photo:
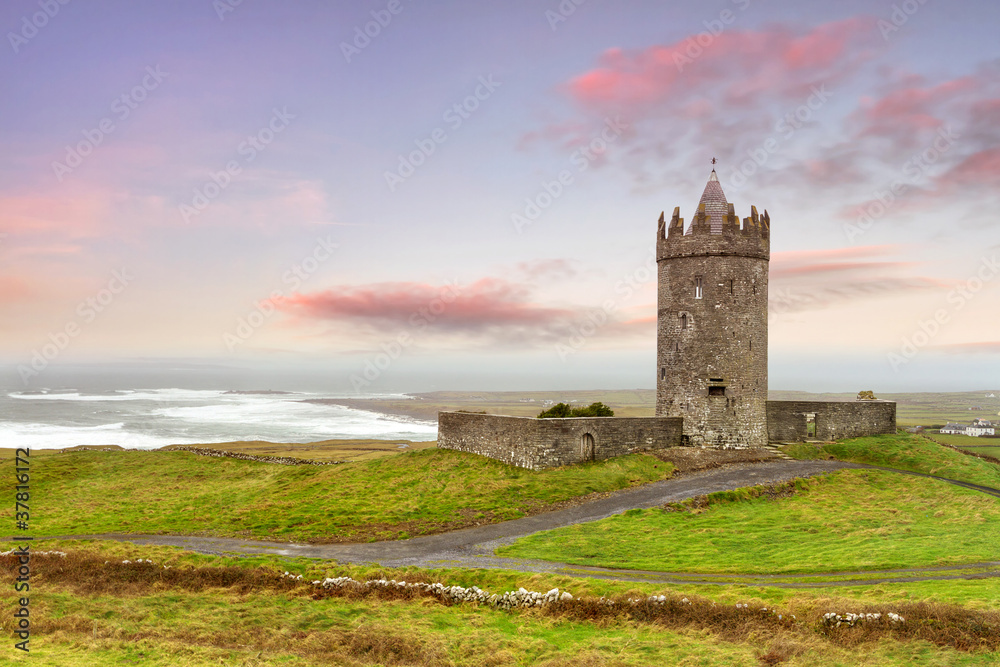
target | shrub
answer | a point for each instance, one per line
(562, 410)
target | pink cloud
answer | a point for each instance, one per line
(728, 95)
(797, 256)
(816, 279)
(981, 168)
(485, 303)
(787, 296)
(738, 90)
(490, 313)
(803, 263)
(737, 65)
(832, 267)
(911, 108)
(933, 135)
(822, 47)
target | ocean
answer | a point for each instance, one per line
(150, 418)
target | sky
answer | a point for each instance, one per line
(428, 195)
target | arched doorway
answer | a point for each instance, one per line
(587, 447)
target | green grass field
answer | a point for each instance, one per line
(83, 616)
(88, 610)
(388, 498)
(985, 446)
(986, 451)
(906, 452)
(848, 520)
(960, 440)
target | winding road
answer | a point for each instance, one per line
(474, 547)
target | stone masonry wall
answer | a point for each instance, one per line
(533, 443)
(786, 420)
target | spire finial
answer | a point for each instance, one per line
(713, 164)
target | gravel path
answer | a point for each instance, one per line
(474, 547)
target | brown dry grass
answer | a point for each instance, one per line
(373, 644)
(941, 624)
(783, 635)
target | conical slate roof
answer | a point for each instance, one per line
(716, 206)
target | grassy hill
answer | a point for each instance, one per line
(906, 452)
(394, 497)
(848, 520)
(91, 608)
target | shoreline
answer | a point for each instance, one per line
(391, 407)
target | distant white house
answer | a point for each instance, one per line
(980, 427)
(977, 428)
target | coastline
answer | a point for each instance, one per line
(410, 409)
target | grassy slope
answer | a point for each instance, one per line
(907, 452)
(962, 440)
(164, 628)
(206, 628)
(850, 520)
(985, 446)
(163, 625)
(393, 497)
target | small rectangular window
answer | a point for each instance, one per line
(716, 391)
(698, 293)
(730, 286)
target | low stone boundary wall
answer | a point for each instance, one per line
(787, 420)
(533, 443)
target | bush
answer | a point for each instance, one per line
(562, 410)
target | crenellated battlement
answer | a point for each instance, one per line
(711, 344)
(717, 234)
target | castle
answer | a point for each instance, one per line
(711, 354)
(712, 308)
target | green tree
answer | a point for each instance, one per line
(561, 410)
(597, 409)
(556, 411)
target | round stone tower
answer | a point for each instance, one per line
(711, 339)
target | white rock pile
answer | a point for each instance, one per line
(509, 600)
(835, 620)
(13, 552)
